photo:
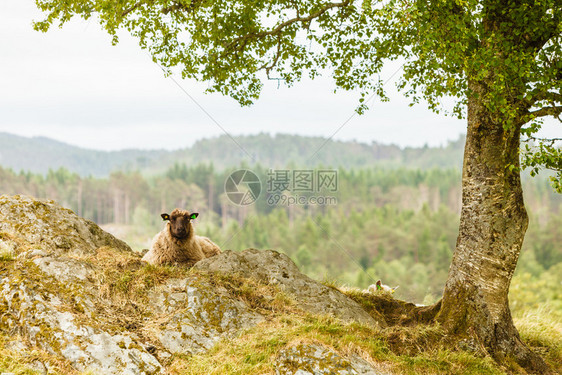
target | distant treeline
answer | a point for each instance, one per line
(201, 187)
(114, 199)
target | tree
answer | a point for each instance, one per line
(501, 60)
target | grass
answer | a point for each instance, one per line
(123, 277)
(22, 362)
(446, 362)
(399, 350)
(6, 255)
(254, 352)
(264, 298)
(541, 329)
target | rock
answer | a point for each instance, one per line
(201, 316)
(309, 359)
(53, 228)
(66, 269)
(52, 295)
(65, 289)
(272, 267)
(30, 308)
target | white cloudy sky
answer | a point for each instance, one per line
(72, 85)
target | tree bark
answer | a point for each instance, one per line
(493, 222)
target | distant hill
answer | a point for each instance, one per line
(39, 154)
(283, 149)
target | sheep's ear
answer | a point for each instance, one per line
(165, 217)
(193, 215)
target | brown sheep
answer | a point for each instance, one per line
(177, 243)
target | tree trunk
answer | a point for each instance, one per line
(493, 222)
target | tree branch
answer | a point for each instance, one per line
(178, 6)
(242, 40)
(274, 62)
(554, 111)
(551, 97)
(129, 10)
(547, 140)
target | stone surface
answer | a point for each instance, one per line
(31, 309)
(310, 359)
(272, 267)
(65, 269)
(50, 296)
(199, 315)
(51, 227)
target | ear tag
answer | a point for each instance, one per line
(165, 217)
(193, 216)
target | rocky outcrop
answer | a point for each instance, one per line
(272, 267)
(82, 298)
(200, 316)
(50, 228)
(46, 320)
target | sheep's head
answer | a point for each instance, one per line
(180, 222)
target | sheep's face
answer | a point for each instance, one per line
(180, 223)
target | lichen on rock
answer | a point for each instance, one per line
(58, 293)
(200, 316)
(55, 229)
(49, 320)
(313, 359)
(272, 267)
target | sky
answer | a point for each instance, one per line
(72, 85)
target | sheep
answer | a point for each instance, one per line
(379, 286)
(177, 242)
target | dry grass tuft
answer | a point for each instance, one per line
(541, 329)
(18, 359)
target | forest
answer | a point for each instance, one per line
(395, 224)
